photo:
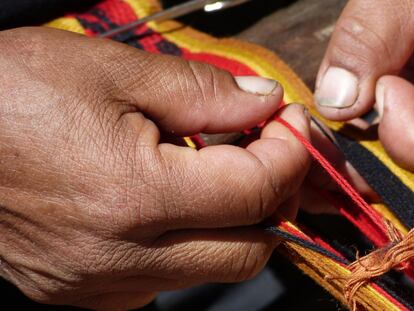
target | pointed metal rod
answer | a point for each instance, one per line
(174, 12)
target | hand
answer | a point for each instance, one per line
(94, 211)
(372, 42)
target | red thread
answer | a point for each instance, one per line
(357, 217)
(340, 180)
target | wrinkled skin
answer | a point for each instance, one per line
(94, 210)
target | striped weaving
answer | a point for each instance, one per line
(309, 248)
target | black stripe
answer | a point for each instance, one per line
(307, 244)
(394, 193)
(105, 23)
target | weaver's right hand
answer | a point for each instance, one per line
(372, 43)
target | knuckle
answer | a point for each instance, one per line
(261, 194)
(205, 77)
(262, 202)
(272, 192)
(269, 196)
(202, 82)
(279, 186)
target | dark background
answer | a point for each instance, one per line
(14, 13)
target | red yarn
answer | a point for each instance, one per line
(376, 221)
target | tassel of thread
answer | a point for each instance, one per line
(377, 263)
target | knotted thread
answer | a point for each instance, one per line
(377, 263)
(394, 256)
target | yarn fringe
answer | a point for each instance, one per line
(396, 256)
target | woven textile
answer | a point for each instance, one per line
(313, 251)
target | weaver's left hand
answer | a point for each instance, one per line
(95, 210)
(372, 42)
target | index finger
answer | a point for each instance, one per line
(226, 186)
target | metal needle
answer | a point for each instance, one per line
(174, 12)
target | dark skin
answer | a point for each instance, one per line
(99, 209)
(95, 211)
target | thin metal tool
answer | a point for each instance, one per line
(176, 11)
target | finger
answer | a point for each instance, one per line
(212, 255)
(395, 98)
(116, 301)
(226, 186)
(180, 96)
(371, 38)
(186, 98)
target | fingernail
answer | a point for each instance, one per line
(338, 89)
(256, 85)
(380, 98)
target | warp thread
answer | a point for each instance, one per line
(396, 255)
(336, 176)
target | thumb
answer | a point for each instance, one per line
(372, 38)
(395, 98)
(189, 97)
(180, 96)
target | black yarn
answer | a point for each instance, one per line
(307, 244)
(394, 193)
